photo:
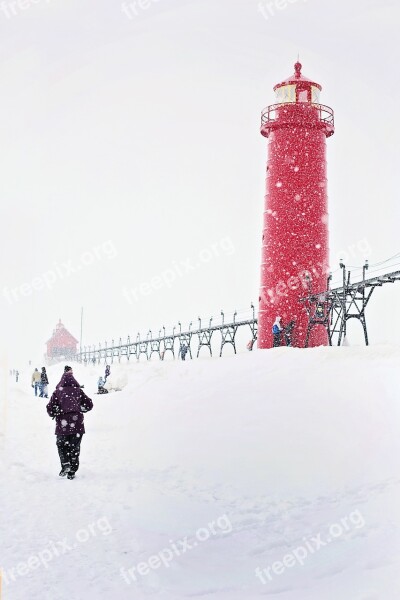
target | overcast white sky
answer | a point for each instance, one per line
(138, 135)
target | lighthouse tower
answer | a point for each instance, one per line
(295, 243)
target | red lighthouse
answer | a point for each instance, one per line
(62, 344)
(295, 233)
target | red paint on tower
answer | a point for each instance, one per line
(62, 343)
(295, 251)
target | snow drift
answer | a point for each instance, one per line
(204, 478)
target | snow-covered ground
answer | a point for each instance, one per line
(269, 475)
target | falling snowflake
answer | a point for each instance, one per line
(279, 184)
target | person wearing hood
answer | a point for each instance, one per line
(44, 382)
(69, 370)
(277, 332)
(66, 406)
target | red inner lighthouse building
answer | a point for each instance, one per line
(295, 249)
(62, 344)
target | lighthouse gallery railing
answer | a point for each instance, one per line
(326, 114)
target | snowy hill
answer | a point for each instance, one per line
(273, 474)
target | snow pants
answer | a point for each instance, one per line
(44, 390)
(69, 447)
(288, 340)
(277, 340)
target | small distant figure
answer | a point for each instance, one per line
(288, 331)
(184, 351)
(16, 376)
(94, 360)
(250, 345)
(36, 381)
(277, 329)
(44, 382)
(100, 386)
(107, 374)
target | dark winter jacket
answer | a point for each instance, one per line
(69, 381)
(43, 378)
(67, 404)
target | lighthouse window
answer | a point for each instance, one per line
(286, 93)
(303, 96)
(314, 94)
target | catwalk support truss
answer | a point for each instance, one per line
(335, 307)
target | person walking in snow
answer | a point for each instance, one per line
(107, 374)
(250, 345)
(44, 382)
(67, 405)
(288, 331)
(184, 350)
(36, 381)
(277, 332)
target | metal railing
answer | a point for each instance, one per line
(326, 114)
(173, 341)
(337, 305)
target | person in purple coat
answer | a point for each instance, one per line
(67, 405)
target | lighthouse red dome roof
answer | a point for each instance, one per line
(297, 77)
